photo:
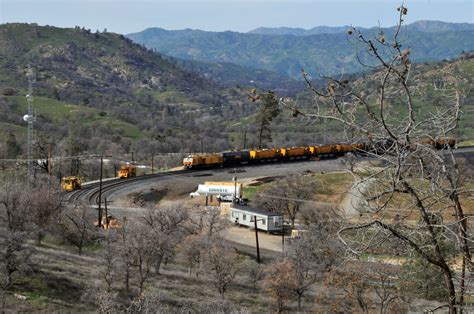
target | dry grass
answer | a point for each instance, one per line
(331, 187)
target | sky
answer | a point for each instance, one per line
(127, 16)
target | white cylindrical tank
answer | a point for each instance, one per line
(220, 189)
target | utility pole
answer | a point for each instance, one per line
(106, 214)
(133, 157)
(49, 160)
(256, 239)
(283, 237)
(152, 162)
(202, 147)
(245, 138)
(99, 223)
(234, 200)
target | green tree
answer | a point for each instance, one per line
(12, 147)
(267, 111)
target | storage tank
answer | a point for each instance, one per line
(223, 190)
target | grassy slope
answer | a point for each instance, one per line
(58, 112)
(92, 73)
(427, 99)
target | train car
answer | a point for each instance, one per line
(265, 155)
(328, 151)
(236, 158)
(346, 148)
(295, 153)
(127, 171)
(203, 161)
(71, 183)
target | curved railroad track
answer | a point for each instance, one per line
(90, 192)
(114, 187)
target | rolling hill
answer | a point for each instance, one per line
(102, 87)
(322, 53)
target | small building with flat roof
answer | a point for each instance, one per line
(267, 221)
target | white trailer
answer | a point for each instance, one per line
(224, 191)
(267, 221)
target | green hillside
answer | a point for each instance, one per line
(103, 87)
(432, 86)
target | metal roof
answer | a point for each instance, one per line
(254, 210)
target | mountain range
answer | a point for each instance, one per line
(330, 51)
(419, 26)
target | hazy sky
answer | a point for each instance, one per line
(128, 16)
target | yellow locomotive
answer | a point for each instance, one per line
(127, 171)
(70, 183)
(202, 161)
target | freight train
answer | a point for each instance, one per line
(235, 158)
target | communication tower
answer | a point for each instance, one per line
(29, 118)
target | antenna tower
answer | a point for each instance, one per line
(29, 118)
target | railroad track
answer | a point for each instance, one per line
(90, 192)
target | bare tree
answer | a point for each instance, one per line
(279, 282)
(416, 177)
(167, 225)
(76, 226)
(109, 257)
(255, 272)
(318, 250)
(144, 251)
(191, 251)
(14, 216)
(125, 256)
(369, 286)
(223, 263)
(43, 149)
(138, 251)
(46, 204)
(286, 196)
(305, 270)
(207, 220)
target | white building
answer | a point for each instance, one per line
(268, 221)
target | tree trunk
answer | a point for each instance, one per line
(159, 259)
(39, 238)
(127, 278)
(448, 278)
(462, 285)
(280, 305)
(260, 133)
